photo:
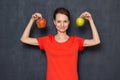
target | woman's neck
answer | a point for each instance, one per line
(61, 37)
(61, 34)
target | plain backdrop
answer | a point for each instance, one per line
(19, 61)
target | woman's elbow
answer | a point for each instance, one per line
(98, 42)
(22, 40)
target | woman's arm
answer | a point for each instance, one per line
(95, 36)
(25, 36)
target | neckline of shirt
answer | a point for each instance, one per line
(53, 37)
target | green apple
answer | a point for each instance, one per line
(80, 21)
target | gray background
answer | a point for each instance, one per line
(19, 61)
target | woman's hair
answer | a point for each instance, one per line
(61, 10)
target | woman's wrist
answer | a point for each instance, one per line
(90, 19)
(32, 19)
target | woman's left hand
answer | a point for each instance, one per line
(86, 15)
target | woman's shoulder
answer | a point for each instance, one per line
(46, 36)
(76, 37)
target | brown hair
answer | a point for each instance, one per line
(61, 10)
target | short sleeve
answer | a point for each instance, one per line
(41, 42)
(80, 43)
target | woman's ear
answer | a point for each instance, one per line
(69, 21)
(54, 22)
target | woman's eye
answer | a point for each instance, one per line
(61, 21)
(58, 21)
(65, 21)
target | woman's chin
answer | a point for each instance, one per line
(62, 31)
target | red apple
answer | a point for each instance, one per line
(41, 23)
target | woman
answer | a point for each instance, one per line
(61, 49)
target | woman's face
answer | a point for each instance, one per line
(61, 22)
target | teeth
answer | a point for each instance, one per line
(62, 28)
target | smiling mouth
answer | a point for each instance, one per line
(62, 27)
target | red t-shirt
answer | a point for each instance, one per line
(61, 57)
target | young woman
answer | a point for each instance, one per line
(61, 49)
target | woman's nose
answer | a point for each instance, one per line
(62, 24)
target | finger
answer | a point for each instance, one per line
(39, 15)
(82, 15)
(34, 16)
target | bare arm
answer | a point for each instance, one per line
(95, 36)
(26, 34)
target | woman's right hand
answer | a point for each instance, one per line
(26, 34)
(36, 16)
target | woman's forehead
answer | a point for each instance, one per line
(61, 16)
